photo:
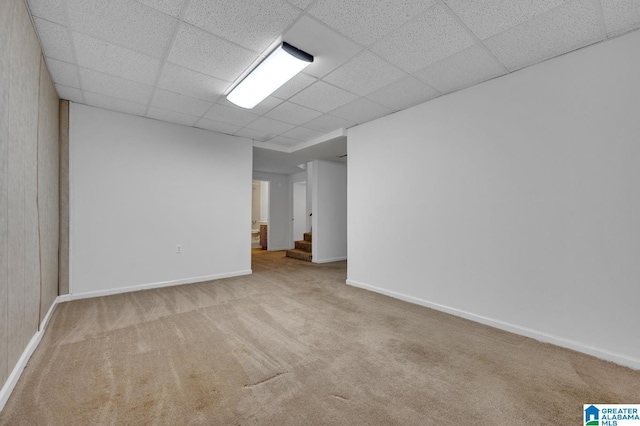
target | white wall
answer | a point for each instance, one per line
(329, 194)
(299, 209)
(279, 231)
(139, 187)
(526, 190)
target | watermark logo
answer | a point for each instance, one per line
(611, 414)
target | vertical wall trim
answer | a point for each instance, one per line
(63, 252)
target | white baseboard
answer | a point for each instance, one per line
(12, 380)
(111, 291)
(523, 331)
(334, 259)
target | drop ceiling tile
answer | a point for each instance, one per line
(295, 85)
(69, 93)
(171, 116)
(302, 4)
(361, 111)
(270, 126)
(283, 141)
(469, 67)
(115, 87)
(124, 23)
(329, 49)
(231, 115)
(208, 54)
(323, 97)
(111, 59)
(170, 7)
(489, 17)
(114, 104)
(254, 24)
(565, 28)
(364, 74)
(63, 73)
(256, 135)
(179, 103)
(302, 134)
(55, 40)
(620, 15)
(191, 83)
(294, 114)
(404, 93)
(424, 41)
(51, 10)
(366, 21)
(217, 126)
(328, 123)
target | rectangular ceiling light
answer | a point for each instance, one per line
(277, 68)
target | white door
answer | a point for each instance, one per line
(299, 209)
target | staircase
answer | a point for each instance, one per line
(303, 249)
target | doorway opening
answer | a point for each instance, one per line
(259, 214)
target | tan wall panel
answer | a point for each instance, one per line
(64, 198)
(48, 166)
(6, 20)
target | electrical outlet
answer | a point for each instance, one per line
(179, 249)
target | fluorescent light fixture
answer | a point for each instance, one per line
(277, 68)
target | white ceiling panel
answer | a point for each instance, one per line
(364, 74)
(191, 83)
(328, 123)
(217, 126)
(471, 66)
(170, 7)
(361, 111)
(253, 24)
(323, 97)
(231, 115)
(180, 103)
(425, 40)
(55, 40)
(291, 113)
(360, 19)
(295, 85)
(621, 15)
(63, 73)
(330, 49)
(200, 51)
(114, 104)
(114, 60)
(565, 28)
(171, 116)
(490, 17)
(270, 126)
(256, 135)
(302, 134)
(116, 87)
(404, 93)
(69, 93)
(124, 23)
(50, 10)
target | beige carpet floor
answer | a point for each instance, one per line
(292, 344)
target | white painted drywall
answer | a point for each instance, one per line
(299, 209)
(140, 187)
(515, 202)
(329, 194)
(280, 205)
